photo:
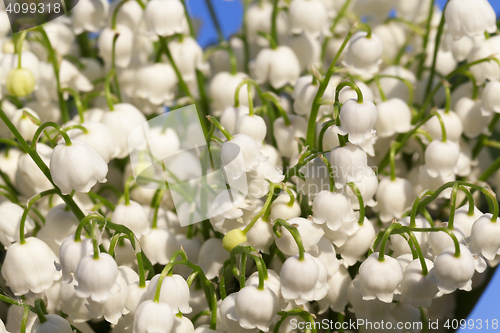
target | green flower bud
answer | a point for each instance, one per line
(20, 82)
(233, 238)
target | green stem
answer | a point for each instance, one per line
(409, 85)
(250, 101)
(126, 191)
(357, 192)
(107, 89)
(221, 128)
(182, 83)
(113, 67)
(268, 202)
(215, 20)
(41, 165)
(30, 203)
(78, 102)
(443, 128)
(470, 200)
(55, 64)
(293, 231)
(42, 127)
(420, 253)
(115, 14)
(274, 24)
(271, 97)
(95, 245)
(311, 125)
(428, 28)
(453, 204)
(387, 233)
(40, 310)
(436, 50)
(325, 127)
(188, 18)
(394, 146)
(19, 48)
(330, 172)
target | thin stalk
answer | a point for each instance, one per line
(78, 102)
(293, 231)
(387, 233)
(357, 192)
(182, 83)
(421, 257)
(30, 203)
(330, 172)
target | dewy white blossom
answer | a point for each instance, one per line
(97, 277)
(286, 135)
(490, 100)
(278, 66)
(310, 233)
(54, 324)
(77, 167)
(415, 288)
(159, 245)
(188, 55)
(174, 292)
(29, 267)
(470, 18)
(156, 83)
(240, 154)
(123, 47)
(485, 237)
(394, 198)
(357, 120)
(70, 254)
(99, 137)
(441, 157)
(222, 88)
(11, 218)
(380, 279)
(131, 215)
(349, 164)
(393, 116)
(474, 119)
(363, 55)
(89, 15)
(332, 208)
(488, 70)
(153, 317)
(452, 124)
(165, 17)
(310, 16)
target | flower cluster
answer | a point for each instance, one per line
(358, 159)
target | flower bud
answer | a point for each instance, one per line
(233, 238)
(20, 82)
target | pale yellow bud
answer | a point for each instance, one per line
(233, 238)
(20, 82)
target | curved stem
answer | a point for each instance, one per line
(409, 85)
(293, 231)
(42, 127)
(268, 202)
(95, 245)
(394, 146)
(126, 191)
(357, 192)
(107, 89)
(215, 20)
(311, 125)
(325, 127)
(30, 203)
(470, 200)
(453, 204)
(113, 67)
(330, 172)
(182, 83)
(443, 128)
(40, 310)
(420, 253)
(447, 89)
(115, 14)
(78, 102)
(271, 97)
(387, 233)
(240, 85)
(221, 128)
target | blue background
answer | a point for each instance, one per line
(230, 17)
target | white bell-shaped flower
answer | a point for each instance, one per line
(380, 279)
(301, 279)
(89, 15)
(286, 135)
(273, 282)
(255, 308)
(485, 237)
(349, 164)
(225, 308)
(280, 208)
(122, 121)
(304, 92)
(123, 47)
(368, 187)
(30, 180)
(372, 310)
(29, 267)
(310, 233)
(278, 66)
(355, 244)
(112, 308)
(488, 70)
(73, 306)
(333, 208)
(465, 220)
(393, 116)
(70, 254)
(394, 198)
(413, 10)
(159, 245)
(77, 167)
(156, 83)
(188, 56)
(222, 89)
(24, 124)
(400, 245)
(470, 18)
(327, 255)
(451, 273)
(54, 324)
(71, 77)
(230, 116)
(309, 16)
(452, 124)
(441, 158)
(212, 256)
(133, 216)
(393, 38)
(261, 235)
(174, 292)
(336, 298)
(426, 181)
(253, 126)
(316, 176)
(438, 241)
(97, 277)
(182, 325)
(153, 317)
(258, 18)
(9, 161)
(475, 121)
(307, 49)
(490, 99)
(416, 289)
(357, 120)
(11, 219)
(240, 154)
(363, 55)
(258, 180)
(165, 17)
(99, 137)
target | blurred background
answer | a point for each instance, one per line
(230, 17)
